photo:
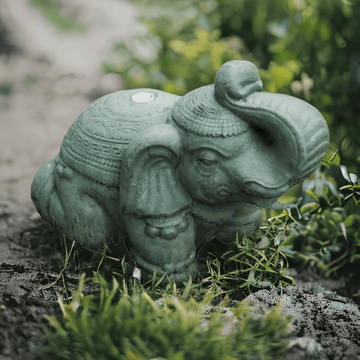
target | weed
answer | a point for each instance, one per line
(246, 265)
(323, 228)
(61, 274)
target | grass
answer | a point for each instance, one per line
(116, 324)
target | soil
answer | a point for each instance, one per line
(42, 97)
(331, 321)
(31, 264)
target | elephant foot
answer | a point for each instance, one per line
(178, 272)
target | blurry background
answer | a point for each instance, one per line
(57, 56)
(50, 71)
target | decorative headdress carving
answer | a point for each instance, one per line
(199, 113)
(96, 142)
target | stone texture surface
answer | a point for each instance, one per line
(332, 321)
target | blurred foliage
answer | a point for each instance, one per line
(52, 12)
(181, 52)
(178, 67)
(29, 79)
(5, 89)
(114, 324)
(305, 48)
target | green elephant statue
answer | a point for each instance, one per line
(166, 173)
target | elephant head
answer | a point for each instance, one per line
(225, 143)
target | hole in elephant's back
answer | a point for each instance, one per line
(143, 97)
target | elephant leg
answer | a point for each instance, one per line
(44, 194)
(62, 196)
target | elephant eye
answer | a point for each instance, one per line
(206, 161)
(206, 164)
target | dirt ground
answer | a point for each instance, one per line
(46, 93)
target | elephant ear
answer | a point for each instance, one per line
(295, 134)
(149, 186)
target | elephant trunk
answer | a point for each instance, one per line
(292, 136)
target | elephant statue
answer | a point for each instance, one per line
(166, 173)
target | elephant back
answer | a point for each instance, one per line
(95, 143)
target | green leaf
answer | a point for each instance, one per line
(332, 155)
(354, 178)
(346, 187)
(265, 242)
(349, 221)
(288, 251)
(312, 195)
(282, 76)
(345, 173)
(187, 289)
(251, 278)
(131, 356)
(309, 208)
(343, 230)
